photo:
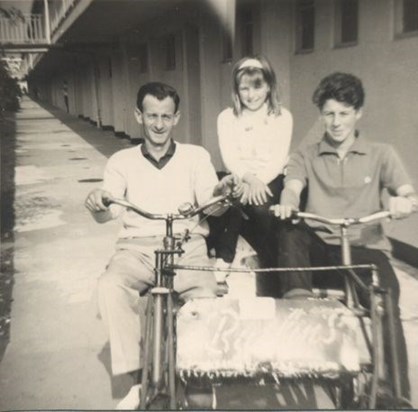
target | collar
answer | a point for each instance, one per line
(159, 164)
(360, 146)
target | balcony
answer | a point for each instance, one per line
(24, 30)
(30, 31)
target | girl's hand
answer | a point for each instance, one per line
(245, 194)
(258, 191)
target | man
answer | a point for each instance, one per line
(158, 176)
(344, 175)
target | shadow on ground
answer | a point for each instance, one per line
(88, 131)
(8, 163)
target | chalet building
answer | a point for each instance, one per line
(98, 52)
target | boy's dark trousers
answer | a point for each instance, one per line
(299, 246)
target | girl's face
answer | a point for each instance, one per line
(253, 91)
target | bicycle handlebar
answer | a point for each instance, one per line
(186, 211)
(346, 221)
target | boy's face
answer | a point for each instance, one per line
(340, 120)
(158, 119)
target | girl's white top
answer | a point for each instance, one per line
(255, 142)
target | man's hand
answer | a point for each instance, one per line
(258, 191)
(401, 207)
(95, 200)
(282, 211)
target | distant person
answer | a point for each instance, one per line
(65, 95)
(345, 175)
(254, 139)
(158, 175)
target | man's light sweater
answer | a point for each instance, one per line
(189, 176)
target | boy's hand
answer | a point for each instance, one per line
(282, 211)
(400, 207)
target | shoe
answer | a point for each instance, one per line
(131, 400)
(221, 276)
(298, 293)
(384, 397)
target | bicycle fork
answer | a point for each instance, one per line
(380, 305)
(158, 377)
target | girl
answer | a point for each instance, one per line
(254, 139)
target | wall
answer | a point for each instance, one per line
(386, 66)
(388, 69)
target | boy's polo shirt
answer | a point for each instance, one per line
(348, 187)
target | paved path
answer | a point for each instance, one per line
(58, 357)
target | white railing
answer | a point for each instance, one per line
(58, 11)
(25, 29)
(35, 28)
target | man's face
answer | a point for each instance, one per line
(340, 120)
(158, 119)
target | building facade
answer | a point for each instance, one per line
(104, 50)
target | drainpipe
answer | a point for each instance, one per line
(47, 22)
(96, 74)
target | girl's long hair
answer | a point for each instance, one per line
(269, 76)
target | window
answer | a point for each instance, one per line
(305, 25)
(346, 22)
(170, 52)
(143, 58)
(228, 30)
(247, 30)
(410, 15)
(226, 45)
(406, 17)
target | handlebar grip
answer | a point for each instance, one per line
(107, 201)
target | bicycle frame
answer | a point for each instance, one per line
(158, 380)
(159, 371)
(380, 302)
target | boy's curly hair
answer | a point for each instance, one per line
(342, 87)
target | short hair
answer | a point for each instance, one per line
(342, 87)
(158, 90)
(266, 73)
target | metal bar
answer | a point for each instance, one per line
(394, 358)
(47, 22)
(147, 346)
(295, 269)
(378, 345)
(171, 352)
(157, 339)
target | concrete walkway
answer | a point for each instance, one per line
(58, 357)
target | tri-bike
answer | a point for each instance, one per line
(328, 338)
